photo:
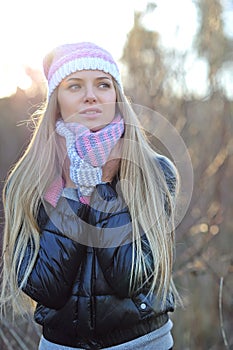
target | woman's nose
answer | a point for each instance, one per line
(90, 95)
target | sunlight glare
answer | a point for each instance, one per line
(176, 20)
(13, 77)
(7, 76)
(40, 26)
(33, 28)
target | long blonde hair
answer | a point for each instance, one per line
(139, 170)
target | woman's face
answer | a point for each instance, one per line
(87, 97)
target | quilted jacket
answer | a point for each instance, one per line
(80, 279)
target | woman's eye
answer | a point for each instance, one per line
(74, 87)
(104, 85)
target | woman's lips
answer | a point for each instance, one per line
(90, 112)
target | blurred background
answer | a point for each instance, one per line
(176, 58)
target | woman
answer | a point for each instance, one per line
(88, 215)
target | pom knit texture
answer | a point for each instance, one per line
(88, 151)
(69, 58)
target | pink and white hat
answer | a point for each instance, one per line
(69, 58)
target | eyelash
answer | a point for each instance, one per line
(104, 85)
(73, 86)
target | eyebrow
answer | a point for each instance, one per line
(79, 79)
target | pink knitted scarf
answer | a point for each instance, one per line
(92, 147)
(88, 151)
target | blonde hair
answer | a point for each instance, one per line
(139, 170)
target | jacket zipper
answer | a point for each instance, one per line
(93, 278)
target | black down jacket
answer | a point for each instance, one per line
(80, 280)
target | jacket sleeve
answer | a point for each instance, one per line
(170, 173)
(59, 256)
(115, 247)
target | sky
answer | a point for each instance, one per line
(31, 28)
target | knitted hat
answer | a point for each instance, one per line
(69, 58)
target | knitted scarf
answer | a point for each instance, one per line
(88, 151)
